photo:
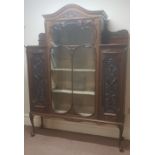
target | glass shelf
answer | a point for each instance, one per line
(76, 80)
(85, 114)
(74, 92)
(74, 70)
(60, 111)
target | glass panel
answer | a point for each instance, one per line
(73, 66)
(84, 58)
(73, 32)
(61, 79)
(61, 102)
(60, 58)
(84, 81)
(84, 104)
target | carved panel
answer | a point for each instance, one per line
(64, 32)
(38, 76)
(111, 85)
(71, 11)
(71, 14)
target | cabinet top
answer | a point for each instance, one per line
(75, 11)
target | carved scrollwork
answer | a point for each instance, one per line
(71, 14)
(39, 82)
(111, 85)
(64, 32)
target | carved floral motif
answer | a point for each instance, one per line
(111, 85)
(71, 14)
(73, 32)
(39, 93)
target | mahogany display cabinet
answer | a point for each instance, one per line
(77, 72)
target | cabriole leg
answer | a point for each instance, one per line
(121, 127)
(42, 122)
(32, 123)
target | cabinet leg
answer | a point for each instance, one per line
(32, 123)
(121, 127)
(42, 122)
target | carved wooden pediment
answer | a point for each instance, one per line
(74, 11)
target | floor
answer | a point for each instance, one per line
(54, 142)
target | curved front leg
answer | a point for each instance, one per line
(32, 123)
(42, 122)
(121, 127)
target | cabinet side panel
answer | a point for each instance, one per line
(38, 79)
(112, 83)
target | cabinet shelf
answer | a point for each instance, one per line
(86, 45)
(74, 92)
(64, 111)
(61, 111)
(85, 114)
(74, 70)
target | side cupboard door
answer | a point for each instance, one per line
(113, 60)
(39, 83)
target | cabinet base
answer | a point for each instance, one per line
(119, 125)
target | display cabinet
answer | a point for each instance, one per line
(77, 72)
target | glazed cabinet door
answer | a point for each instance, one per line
(39, 87)
(112, 83)
(73, 57)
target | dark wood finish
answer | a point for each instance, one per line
(42, 122)
(110, 64)
(121, 137)
(74, 118)
(42, 39)
(38, 79)
(74, 11)
(112, 88)
(119, 37)
(32, 122)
